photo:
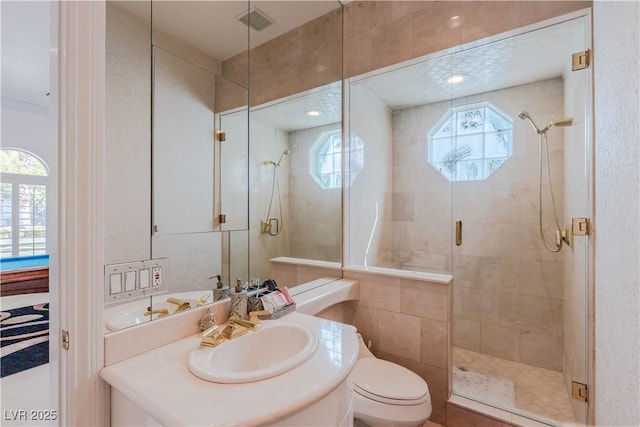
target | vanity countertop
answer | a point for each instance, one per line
(160, 384)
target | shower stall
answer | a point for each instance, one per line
(477, 164)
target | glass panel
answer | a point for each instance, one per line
(200, 140)
(32, 219)
(183, 129)
(496, 122)
(470, 121)
(470, 146)
(22, 163)
(6, 220)
(518, 308)
(298, 178)
(398, 209)
(233, 158)
(497, 144)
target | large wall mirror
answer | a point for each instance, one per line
(295, 130)
(200, 142)
(208, 165)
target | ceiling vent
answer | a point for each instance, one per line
(256, 19)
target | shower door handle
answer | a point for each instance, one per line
(458, 232)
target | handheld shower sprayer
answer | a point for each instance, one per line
(544, 152)
(284, 153)
(525, 116)
(272, 224)
(271, 162)
(567, 121)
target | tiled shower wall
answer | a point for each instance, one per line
(507, 294)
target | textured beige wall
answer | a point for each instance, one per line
(306, 57)
(127, 136)
(292, 274)
(381, 33)
(617, 219)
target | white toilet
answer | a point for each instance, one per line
(386, 394)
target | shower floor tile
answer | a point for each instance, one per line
(540, 391)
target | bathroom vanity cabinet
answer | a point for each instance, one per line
(156, 388)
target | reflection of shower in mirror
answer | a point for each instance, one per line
(271, 162)
(273, 225)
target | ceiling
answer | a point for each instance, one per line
(213, 27)
(291, 114)
(522, 59)
(533, 56)
(518, 60)
(210, 26)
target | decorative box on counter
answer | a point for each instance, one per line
(278, 302)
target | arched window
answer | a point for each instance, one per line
(325, 159)
(23, 204)
(470, 142)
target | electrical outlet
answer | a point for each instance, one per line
(135, 280)
(156, 274)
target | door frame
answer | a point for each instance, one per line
(83, 396)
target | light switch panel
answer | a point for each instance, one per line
(115, 283)
(145, 275)
(130, 281)
(135, 280)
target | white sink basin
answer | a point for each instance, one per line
(130, 314)
(276, 348)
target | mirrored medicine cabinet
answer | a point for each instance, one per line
(208, 164)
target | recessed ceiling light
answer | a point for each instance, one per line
(455, 21)
(456, 79)
(313, 113)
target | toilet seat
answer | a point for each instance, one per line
(386, 382)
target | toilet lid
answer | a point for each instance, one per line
(386, 380)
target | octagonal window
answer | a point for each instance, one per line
(325, 159)
(470, 142)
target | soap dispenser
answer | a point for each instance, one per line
(221, 291)
(239, 301)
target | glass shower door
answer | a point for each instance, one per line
(520, 309)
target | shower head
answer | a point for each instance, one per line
(276, 164)
(525, 116)
(284, 153)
